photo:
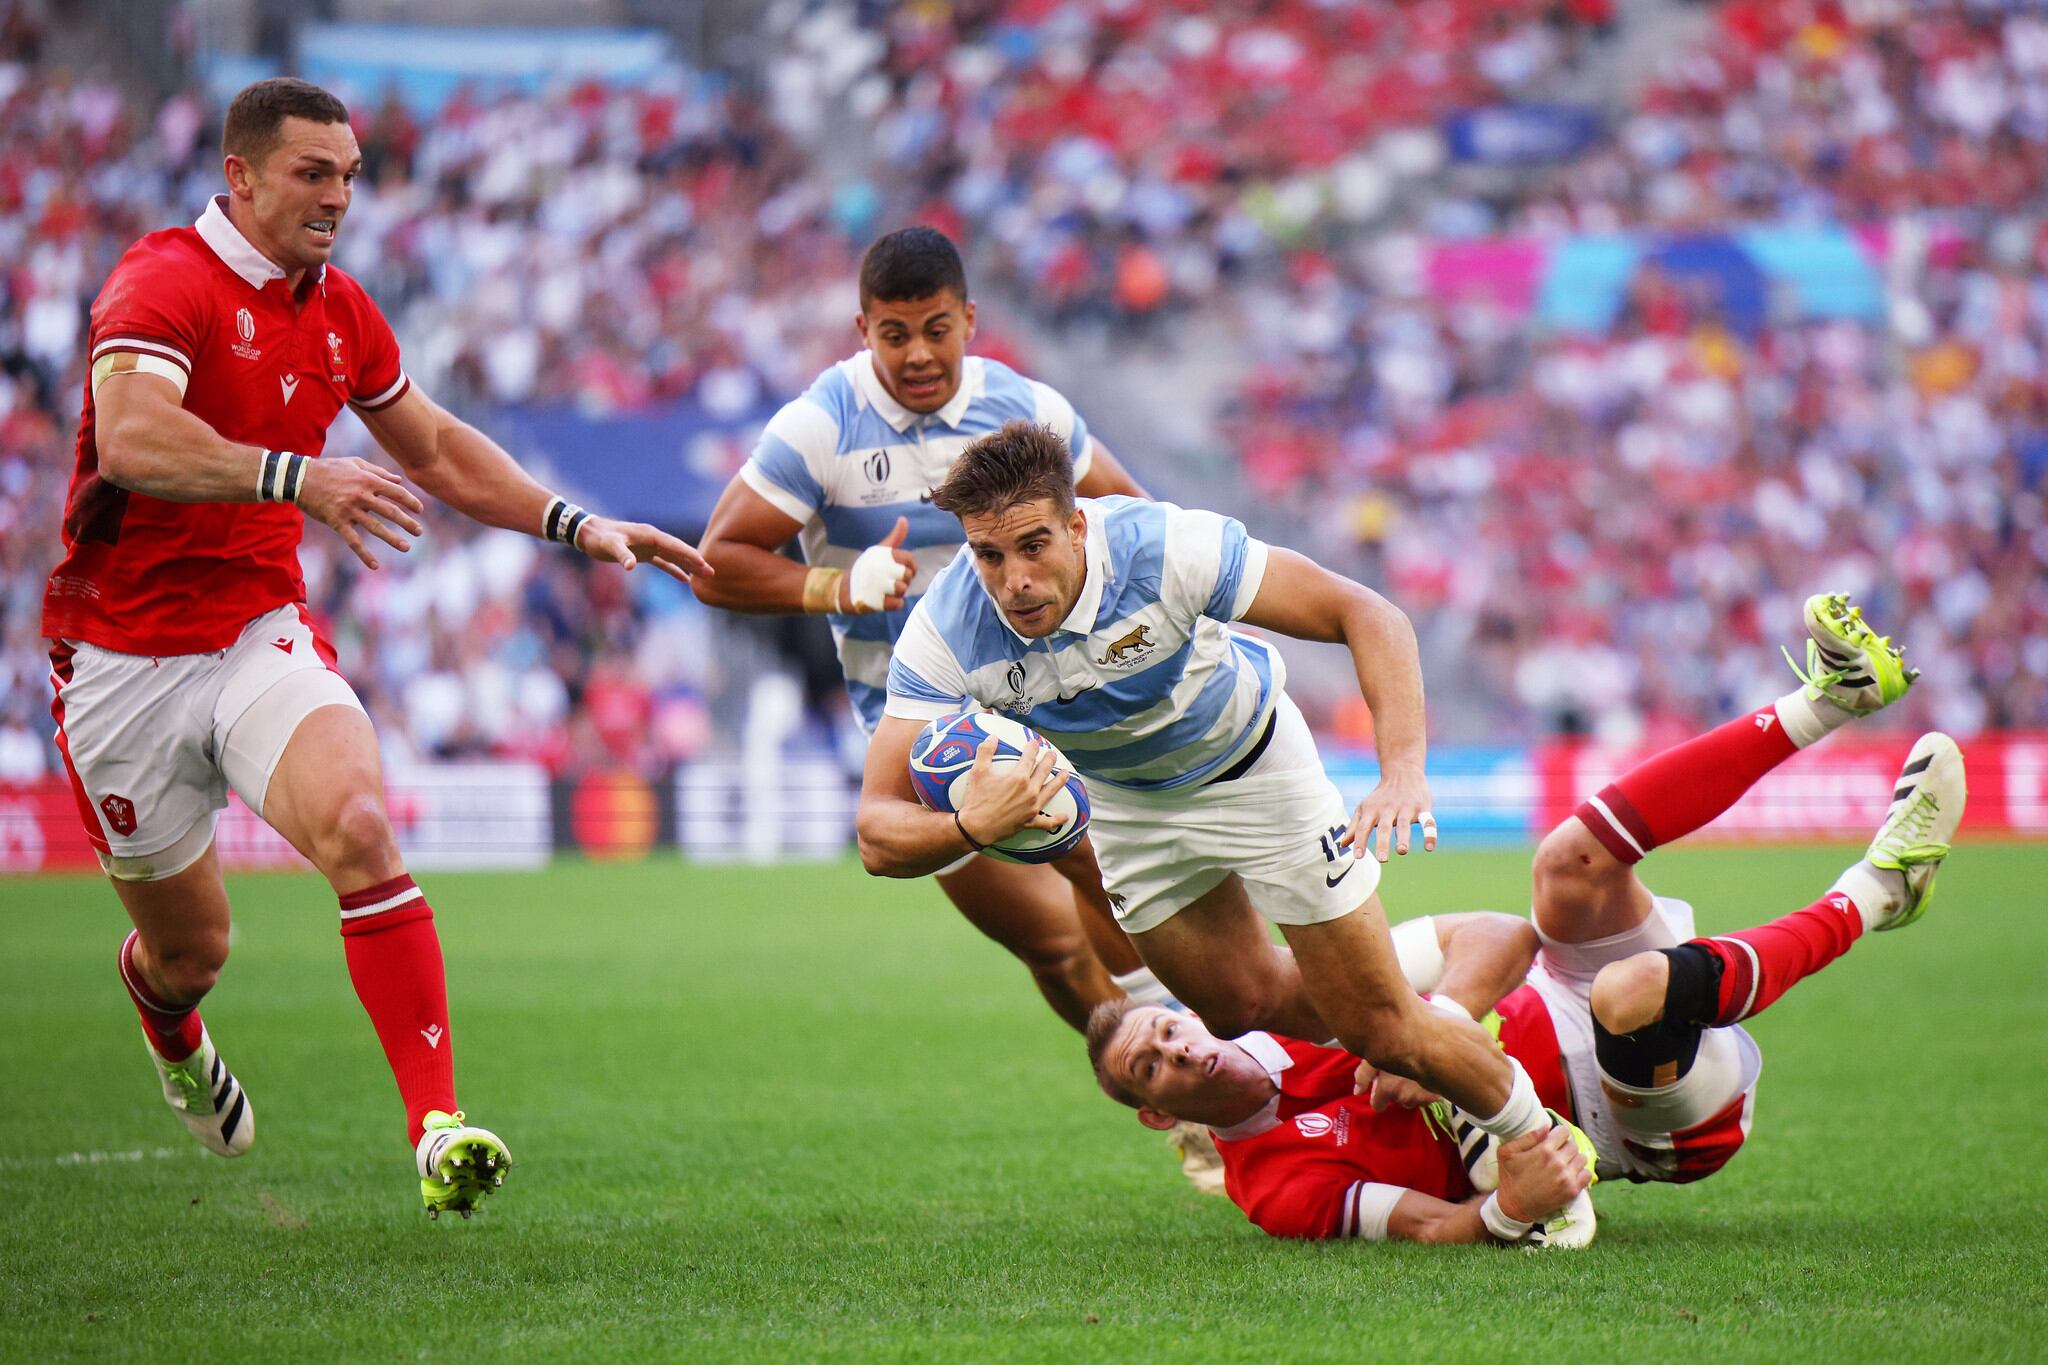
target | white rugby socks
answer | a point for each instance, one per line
(1808, 720)
(1523, 1113)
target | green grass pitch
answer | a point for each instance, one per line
(798, 1114)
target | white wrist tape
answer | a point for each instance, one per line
(874, 577)
(1499, 1223)
(1420, 955)
(1443, 1004)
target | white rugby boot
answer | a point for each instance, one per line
(1893, 882)
(207, 1098)
(459, 1164)
(1846, 661)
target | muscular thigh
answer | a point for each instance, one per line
(1023, 906)
(1216, 951)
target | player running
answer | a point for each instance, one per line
(1105, 624)
(1628, 1023)
(183, 657)
(848, 469)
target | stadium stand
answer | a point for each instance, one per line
(1598, 424)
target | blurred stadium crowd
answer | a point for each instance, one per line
(1602, 531)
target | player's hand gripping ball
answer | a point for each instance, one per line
(941, 769)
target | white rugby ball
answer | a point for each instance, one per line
(941, 771)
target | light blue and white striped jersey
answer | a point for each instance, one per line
(1144, 685)
(846, 459)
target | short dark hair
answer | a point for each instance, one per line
(911, 263)
(1103, 1022)
(1018, 462)
(256, 118)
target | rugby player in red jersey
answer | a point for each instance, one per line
(1628, 1024)
(183, 658)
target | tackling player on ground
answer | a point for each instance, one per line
(847, 470)
(1628, 1022)
(1104, 624)
(183, 660)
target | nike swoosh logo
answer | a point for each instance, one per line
(1082, 693)
(1349, 863)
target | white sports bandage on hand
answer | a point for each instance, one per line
(875, 577)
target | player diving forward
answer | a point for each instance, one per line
(849, 467)
(183, 658)
(1628, 1022)
(1105, 624)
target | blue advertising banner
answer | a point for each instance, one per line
(1520, 134)
(1485, 796)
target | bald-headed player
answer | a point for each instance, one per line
(183, 657)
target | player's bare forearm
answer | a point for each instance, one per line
(1420, 1217)
(1301, 598)
(1486, 955)
(1389, 666)
(1106, 477)
(148, 443)
(740, 541)
(751, 579)
(900, 838)
(455, 463)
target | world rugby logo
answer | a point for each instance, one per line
(245, 326)
(877, 467)
(1313, 1125)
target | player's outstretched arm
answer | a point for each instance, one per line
(740, 544)
(470, 472)
(900, 837)
(1301, 598)
(148, 443)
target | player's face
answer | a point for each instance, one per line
(298, 194)
(1175, 1065)
(1032, 560)
(918, 345)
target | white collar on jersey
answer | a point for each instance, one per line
(1095, 555)
(868, 385)
(1267, 1052)
(237, 252)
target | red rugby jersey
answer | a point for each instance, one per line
(1296, 1168)
(204, 308)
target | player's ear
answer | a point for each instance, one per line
(239, 174)
(967, 316)
(1157, 1120)
(860, 324)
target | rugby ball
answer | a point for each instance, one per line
(941, 770)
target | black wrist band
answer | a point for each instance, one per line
(972, 842)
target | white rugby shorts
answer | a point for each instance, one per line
(154, 744)
(1276, 827)
(1630, 1129)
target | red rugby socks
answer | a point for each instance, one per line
(1670, 795)
(1759, 965)
(394, 959)
(173, 1030)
